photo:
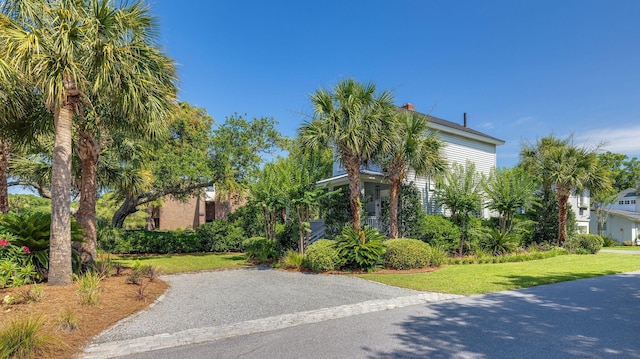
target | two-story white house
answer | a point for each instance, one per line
(461, 144)
(623, 218)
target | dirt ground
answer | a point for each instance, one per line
(118, 300)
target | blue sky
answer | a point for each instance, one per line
(520, 69)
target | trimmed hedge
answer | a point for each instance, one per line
(405, 253)
(217, 236)
(322, 256)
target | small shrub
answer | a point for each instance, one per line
(260, 249)
(322, 256)
(220, 236)
(104, 267)
(142, 287)
(291, 259)
(68, 320)
(151, 272)
(437, 256)
(498, 243)
(89, 288)
(16, 268)
(584, 243)
(609, 242)
(405, 253)
(33, 294)
(25, 338)
(360, 249)
(439, 231)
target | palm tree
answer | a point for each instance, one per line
(508, 190)
(416, 148)
(76, 52)
(459, 190)
(358, 123)
(565, 167)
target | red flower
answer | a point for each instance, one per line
(26, 250)
(4, 242)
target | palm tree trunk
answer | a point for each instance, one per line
(89, 152)
(60, 243)
(4, 170)
(353, 173)
(563, 199)
(394, 194)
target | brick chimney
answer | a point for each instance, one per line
(409, 106)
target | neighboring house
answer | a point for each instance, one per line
(580, 204)
(623, 218)
(189, 214)
(461, 144)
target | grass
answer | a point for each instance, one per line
(178, 263)
(624, 248)
(89, 288)
(25, 338)
(486, 278)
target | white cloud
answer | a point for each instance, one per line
(487, 125)
(618, 140)
(523, 120)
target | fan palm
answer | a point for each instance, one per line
(414, 148)
(81, 54)
(358, 123)
(565, 167)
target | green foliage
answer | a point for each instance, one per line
(29, 204)
(68, 320)
(509, 190)
(250, 218)
(119, 241)
(25, 338)
(322, 256)
(16, 268)
(260, 249)
(411, 212)
(108, 204)
(544, 212)
(584, 243)
(404, 253)
(220, 236)
(360, 249)
(496, 242)
(439, 231)
(336, 212)
(459, 191)
(291, 259)
(609, 242)
(89, 288)
(437, 256)
(33, 231)
(624, 171)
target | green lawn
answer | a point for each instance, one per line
(177, 263)
(624, 248)
(485, 278)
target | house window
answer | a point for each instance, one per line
(620, 202)
(633, 201)
(604, 226)
(626, 202)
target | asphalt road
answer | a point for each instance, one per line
(590, 318)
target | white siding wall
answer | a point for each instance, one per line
(459, 150)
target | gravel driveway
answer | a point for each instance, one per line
(215, 298)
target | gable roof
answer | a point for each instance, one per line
(456, 127)
(629, 192)
(632, 216)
